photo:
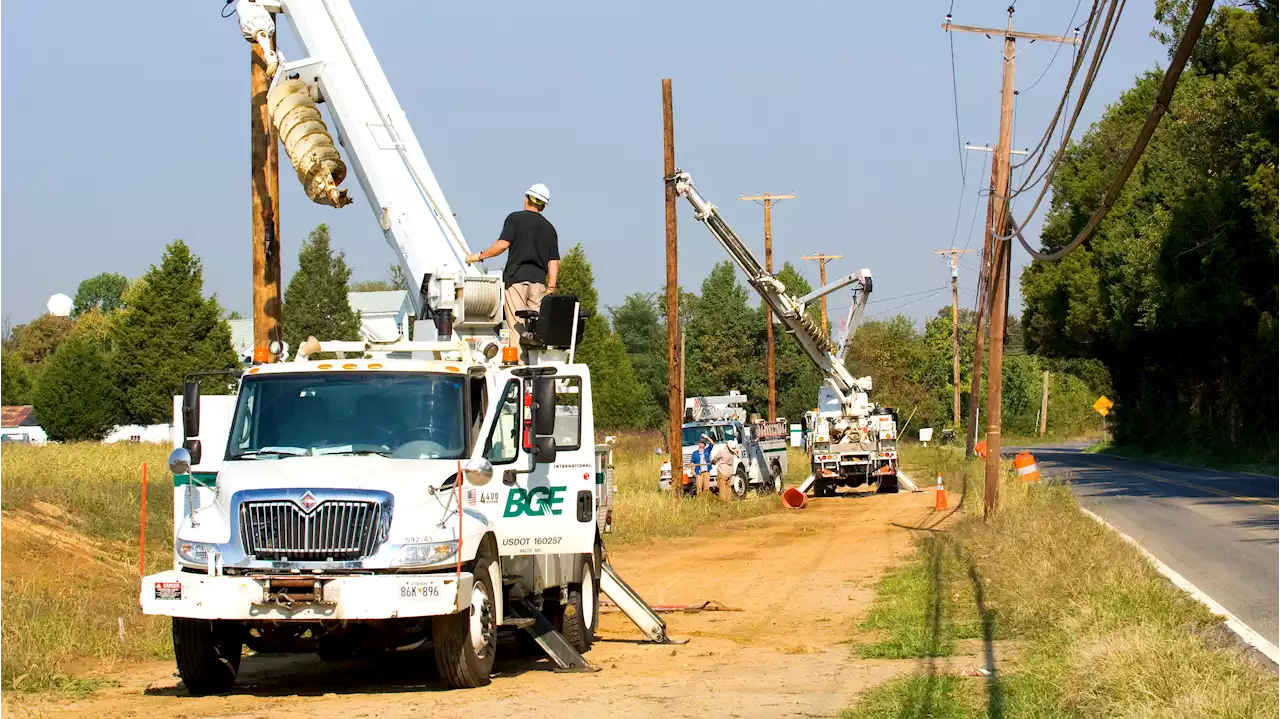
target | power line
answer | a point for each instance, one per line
(909, 302)
(909, 294)
(955, 101)
(1190, 36)
(1058, 46)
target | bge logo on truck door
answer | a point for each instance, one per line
(534, 502)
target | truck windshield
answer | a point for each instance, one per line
(394, 414)
(718, 433)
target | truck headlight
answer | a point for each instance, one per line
(195, 552)
(423, 554)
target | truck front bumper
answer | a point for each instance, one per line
(378, 596)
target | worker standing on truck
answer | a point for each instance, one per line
(701, 461)
(722, 457)
(533, 262)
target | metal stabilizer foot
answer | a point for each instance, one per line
(567, 658)
(639, 612)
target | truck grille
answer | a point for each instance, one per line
(333, 530)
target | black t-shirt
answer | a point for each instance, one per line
(533, 245)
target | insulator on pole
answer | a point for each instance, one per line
(308, 143)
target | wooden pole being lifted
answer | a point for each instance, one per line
(822, 261)
(265, 226)
(675, 368)
(767, 200)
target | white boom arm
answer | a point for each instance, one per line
(341, 70)
(787, 308)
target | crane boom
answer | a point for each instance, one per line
(789, 309)
(341, 70)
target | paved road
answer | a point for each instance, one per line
(1217, 529)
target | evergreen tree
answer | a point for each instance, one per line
(15, 380)
(168, 330)
(637, 324)
(618, 399)
(77, 398)
(724, 341)
(101, 292)
(316, 303)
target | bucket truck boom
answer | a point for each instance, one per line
(852, 441)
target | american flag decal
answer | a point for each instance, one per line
(471, 497)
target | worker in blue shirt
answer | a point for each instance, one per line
(701, 461)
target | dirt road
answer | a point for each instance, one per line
(802, 581)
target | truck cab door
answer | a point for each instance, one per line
(541, 508)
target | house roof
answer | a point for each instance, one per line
(16, 416)
(379, 303)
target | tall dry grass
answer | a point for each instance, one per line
(70, 539)
(1099, 633)
(642, 511)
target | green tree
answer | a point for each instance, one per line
(371, 286)
(38, 339)
(397, 278)
(724, 341)
(1176, 292)
(169, 330)
(315, 302)
(77, 398)
(636, 322)
(15, 380)
(101, 292)
(619, 400)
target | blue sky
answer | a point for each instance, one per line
(125, 128)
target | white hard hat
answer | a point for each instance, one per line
(539, 192)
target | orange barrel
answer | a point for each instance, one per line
(981, 449)
(1026, 466)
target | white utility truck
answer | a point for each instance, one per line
(759, 447)
(398, 495)
(851, 441)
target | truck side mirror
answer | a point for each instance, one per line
(544, 450)
(544, 406)
(190, 409)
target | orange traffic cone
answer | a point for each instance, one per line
(1026, 466)
(940, 500)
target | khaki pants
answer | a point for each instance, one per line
(725, 483)
(521, 296)
(704, 482)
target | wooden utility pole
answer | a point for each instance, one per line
(822, 261)
(1044, 403)
(955, 331)
(998, 284)
(767, 200)
(975, 380)
(675, 364)
(265, 225)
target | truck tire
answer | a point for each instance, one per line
(207, 653)
(577, 620)
(465, 643)
(775, 476)
(741, 484)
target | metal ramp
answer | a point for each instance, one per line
(567, 658)
(639, 612)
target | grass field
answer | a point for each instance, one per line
(1072, 621)
(71, 515)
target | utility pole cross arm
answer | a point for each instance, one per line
(1011, 34)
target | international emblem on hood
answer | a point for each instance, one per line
(308, 502)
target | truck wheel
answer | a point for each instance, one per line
(740, 483)
(577, 619)
(465, 643)
(775, 475)
(208, 654)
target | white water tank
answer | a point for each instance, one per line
(59, 305)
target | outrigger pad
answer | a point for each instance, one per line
(567, 658)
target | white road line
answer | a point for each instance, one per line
(1250, 637)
